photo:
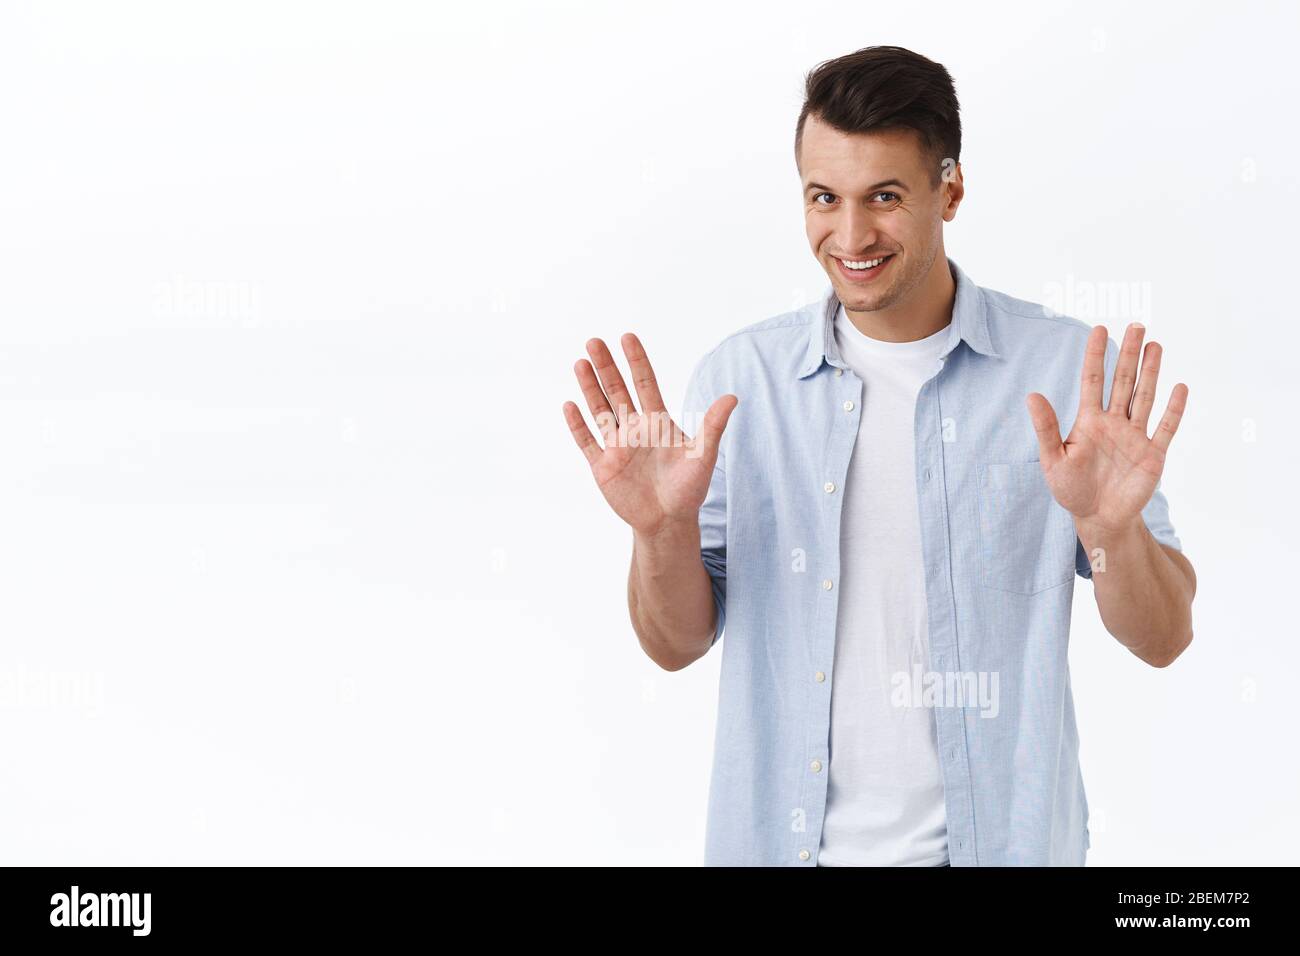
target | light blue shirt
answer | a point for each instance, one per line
(1000, 560)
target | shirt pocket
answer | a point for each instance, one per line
(1027, 540)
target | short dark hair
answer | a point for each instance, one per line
(883, 88)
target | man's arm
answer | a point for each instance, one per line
(1104, 473)
(657, 480)
(1144, 591)
(670, 596)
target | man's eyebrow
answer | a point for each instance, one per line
(871, 188)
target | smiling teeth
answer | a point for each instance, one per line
(866, 264)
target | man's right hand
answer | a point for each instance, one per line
(653, 476)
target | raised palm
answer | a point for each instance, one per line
(649, 471)
(1106, 470)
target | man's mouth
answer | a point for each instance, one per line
(862, 270)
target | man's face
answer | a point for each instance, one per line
(868, 196)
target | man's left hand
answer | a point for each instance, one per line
(1106, 470)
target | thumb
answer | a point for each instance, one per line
(1046, 427)
(711, 428)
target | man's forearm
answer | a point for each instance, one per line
(1144, 594)
(670, 596)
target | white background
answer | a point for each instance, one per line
(298, 563)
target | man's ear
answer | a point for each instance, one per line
(953, 188)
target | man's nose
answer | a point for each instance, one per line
(856, 232)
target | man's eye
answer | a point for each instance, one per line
(894, 195)
(819, 195)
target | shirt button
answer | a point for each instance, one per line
(827, 585)
(848, 406)
(839, 372)
(816, 766)
(804, 854)
(828, 487)
(820, 677)
(927, 474)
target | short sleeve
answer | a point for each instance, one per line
(1156, 512)
(700, 394)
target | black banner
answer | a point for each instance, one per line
(204, 905)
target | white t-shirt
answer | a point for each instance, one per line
(884, 803)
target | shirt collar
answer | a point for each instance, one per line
(970, 323)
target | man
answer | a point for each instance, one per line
(890, 524)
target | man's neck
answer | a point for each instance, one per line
(927, 310)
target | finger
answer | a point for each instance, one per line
(606, 420)
(1144, 398)
(1094, 369)
(611, 380)
(1046, 427)
(1173, 415)
(643, 376)
(705, 443)
(581, 433)
(1121, 386)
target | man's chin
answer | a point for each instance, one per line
(861, 300)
